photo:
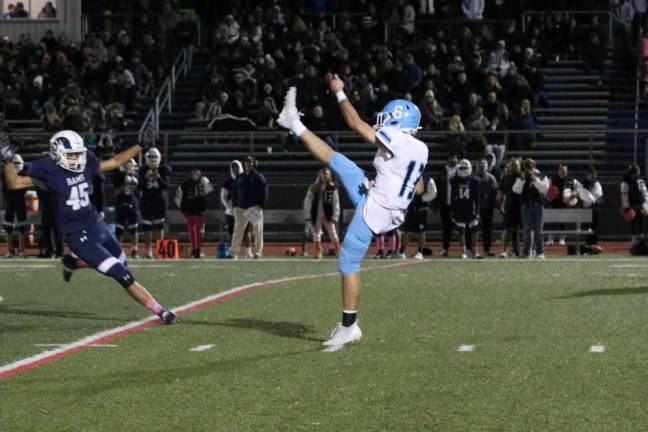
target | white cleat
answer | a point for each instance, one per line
(418, 256)
(343, 335)
(540, 256)
(289, 113)
(464, 255)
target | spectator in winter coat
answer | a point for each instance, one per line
(532, 188)
(634, 201)
(591, 196)
(249, 198)
(227, 192)
(487, 194)
(190, 197)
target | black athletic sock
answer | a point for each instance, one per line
(349, 317)
(402, 250)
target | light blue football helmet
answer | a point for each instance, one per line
(401, 114)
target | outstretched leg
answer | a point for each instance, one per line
(358, 236)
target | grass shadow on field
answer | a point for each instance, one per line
(276, 328)
(91, 385)
(605, 292)
(57, 314)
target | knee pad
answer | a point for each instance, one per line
(113, 268)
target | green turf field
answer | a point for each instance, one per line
(531, 324)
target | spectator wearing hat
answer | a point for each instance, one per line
(249, 197)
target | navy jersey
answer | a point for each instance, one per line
(464, 198)
(154, 190)
(70, 192)
(97, 197)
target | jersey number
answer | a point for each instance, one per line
(79, 196)
(464, 192)
(410, 170)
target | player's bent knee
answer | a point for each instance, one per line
(352, 252)
(114, 269)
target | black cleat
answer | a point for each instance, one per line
(168, 317)
(69, 265)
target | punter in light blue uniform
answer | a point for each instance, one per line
(381, 207)
(67, 173)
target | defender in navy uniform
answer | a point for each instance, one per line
(125, 183)
(154, 183)
(463, 200)
(15, 219)
(67, 174)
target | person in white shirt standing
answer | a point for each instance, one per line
(399, 163)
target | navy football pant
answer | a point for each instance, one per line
(99, 249)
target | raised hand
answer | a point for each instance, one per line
(7, 151)
(336, 84)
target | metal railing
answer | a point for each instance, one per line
(164, 98)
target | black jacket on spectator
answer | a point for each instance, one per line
(193, 197)
(250, 189)
(635, 196)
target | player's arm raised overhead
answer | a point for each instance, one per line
(350, 114)
(120, 158)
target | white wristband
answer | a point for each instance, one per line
(298, 129)
(340, 96)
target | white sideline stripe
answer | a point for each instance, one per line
(466, 348)
(625, 265)
(597, 349)
(90, 345)
(201, 348)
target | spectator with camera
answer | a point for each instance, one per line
(532, 187)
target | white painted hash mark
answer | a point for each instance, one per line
(201, 348)
(597, 349)
(466, 348)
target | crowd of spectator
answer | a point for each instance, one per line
(473, 78)
(93, 86)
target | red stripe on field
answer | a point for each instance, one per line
(45, 357)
